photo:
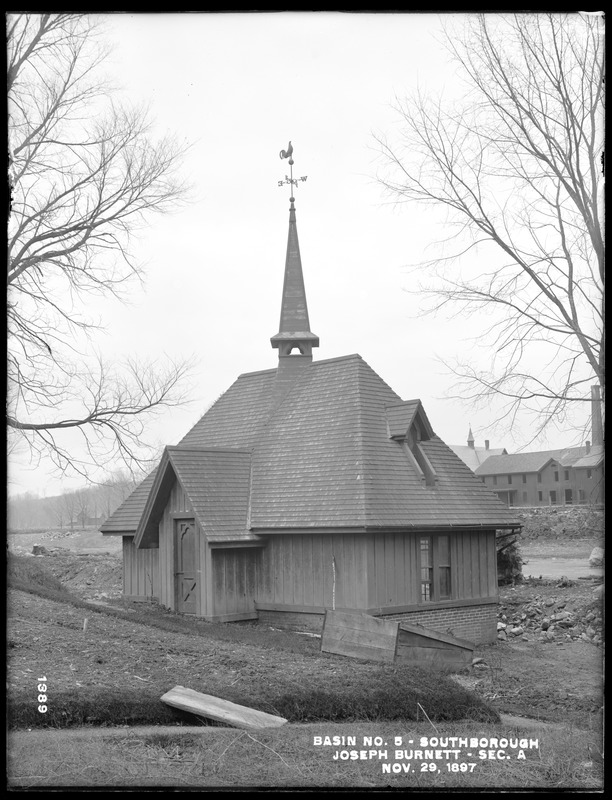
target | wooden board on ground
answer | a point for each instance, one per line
(359, 636)
(205, 705)
(416, 644)
(363, 636)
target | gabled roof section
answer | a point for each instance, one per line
(473, 457)
(234, 421)
(529, 462)
(401, 416)
(125, 519)
(217, 485)
(593, 459)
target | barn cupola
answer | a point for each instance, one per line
(294, 339)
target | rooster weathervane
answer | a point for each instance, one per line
(289, 179)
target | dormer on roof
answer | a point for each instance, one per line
(408, 424)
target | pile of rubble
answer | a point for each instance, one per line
(552, 619)
(561, 522)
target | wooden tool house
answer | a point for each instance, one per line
(314, 486)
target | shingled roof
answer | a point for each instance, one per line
(330, 455)
(529, 462)
(473, 457)
(324, 446)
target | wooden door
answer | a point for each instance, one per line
(186, 582)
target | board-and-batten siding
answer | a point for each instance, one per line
(393, 561)
(371, 571)
(394, 567)
(234, 581)
(140, 571)
(475, 557)
(299, 571)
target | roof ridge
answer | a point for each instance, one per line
(338, 358)
(254, 372)
(191, 449)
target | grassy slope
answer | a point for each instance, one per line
(273, 671)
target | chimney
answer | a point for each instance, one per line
(486, 444)
(588, 446)
(596, 420)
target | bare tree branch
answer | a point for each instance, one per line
(85, 174)
(517, 169)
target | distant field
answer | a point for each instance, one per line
(79, 541)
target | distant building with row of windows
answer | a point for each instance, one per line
(570, 476)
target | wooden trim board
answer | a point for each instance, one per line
(205, 705)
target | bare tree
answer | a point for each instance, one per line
(70, 505)
(515, 167)
(58, 509)
(83, 504)
(85, 174)
(115, 490)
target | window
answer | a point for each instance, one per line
(589, 473)
(553, 498)
(566, 475)
(426, 569)
(539, 478)
(435, 568)
(556, 475)
(581, 496)
(540, 498)
(524, 478)
(494, 480)
(444, 569)
(509, 478)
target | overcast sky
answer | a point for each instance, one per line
(238, 88)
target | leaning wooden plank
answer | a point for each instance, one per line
(418, 640)
(440, 657)
(437, 635)
(357, 620)
(359, 636)
(383, 638)
(356, 650)
(205, 705)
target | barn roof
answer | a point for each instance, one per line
(593, 459)
(529, 462)
(475, 456)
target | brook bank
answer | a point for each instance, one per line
(314, 486)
